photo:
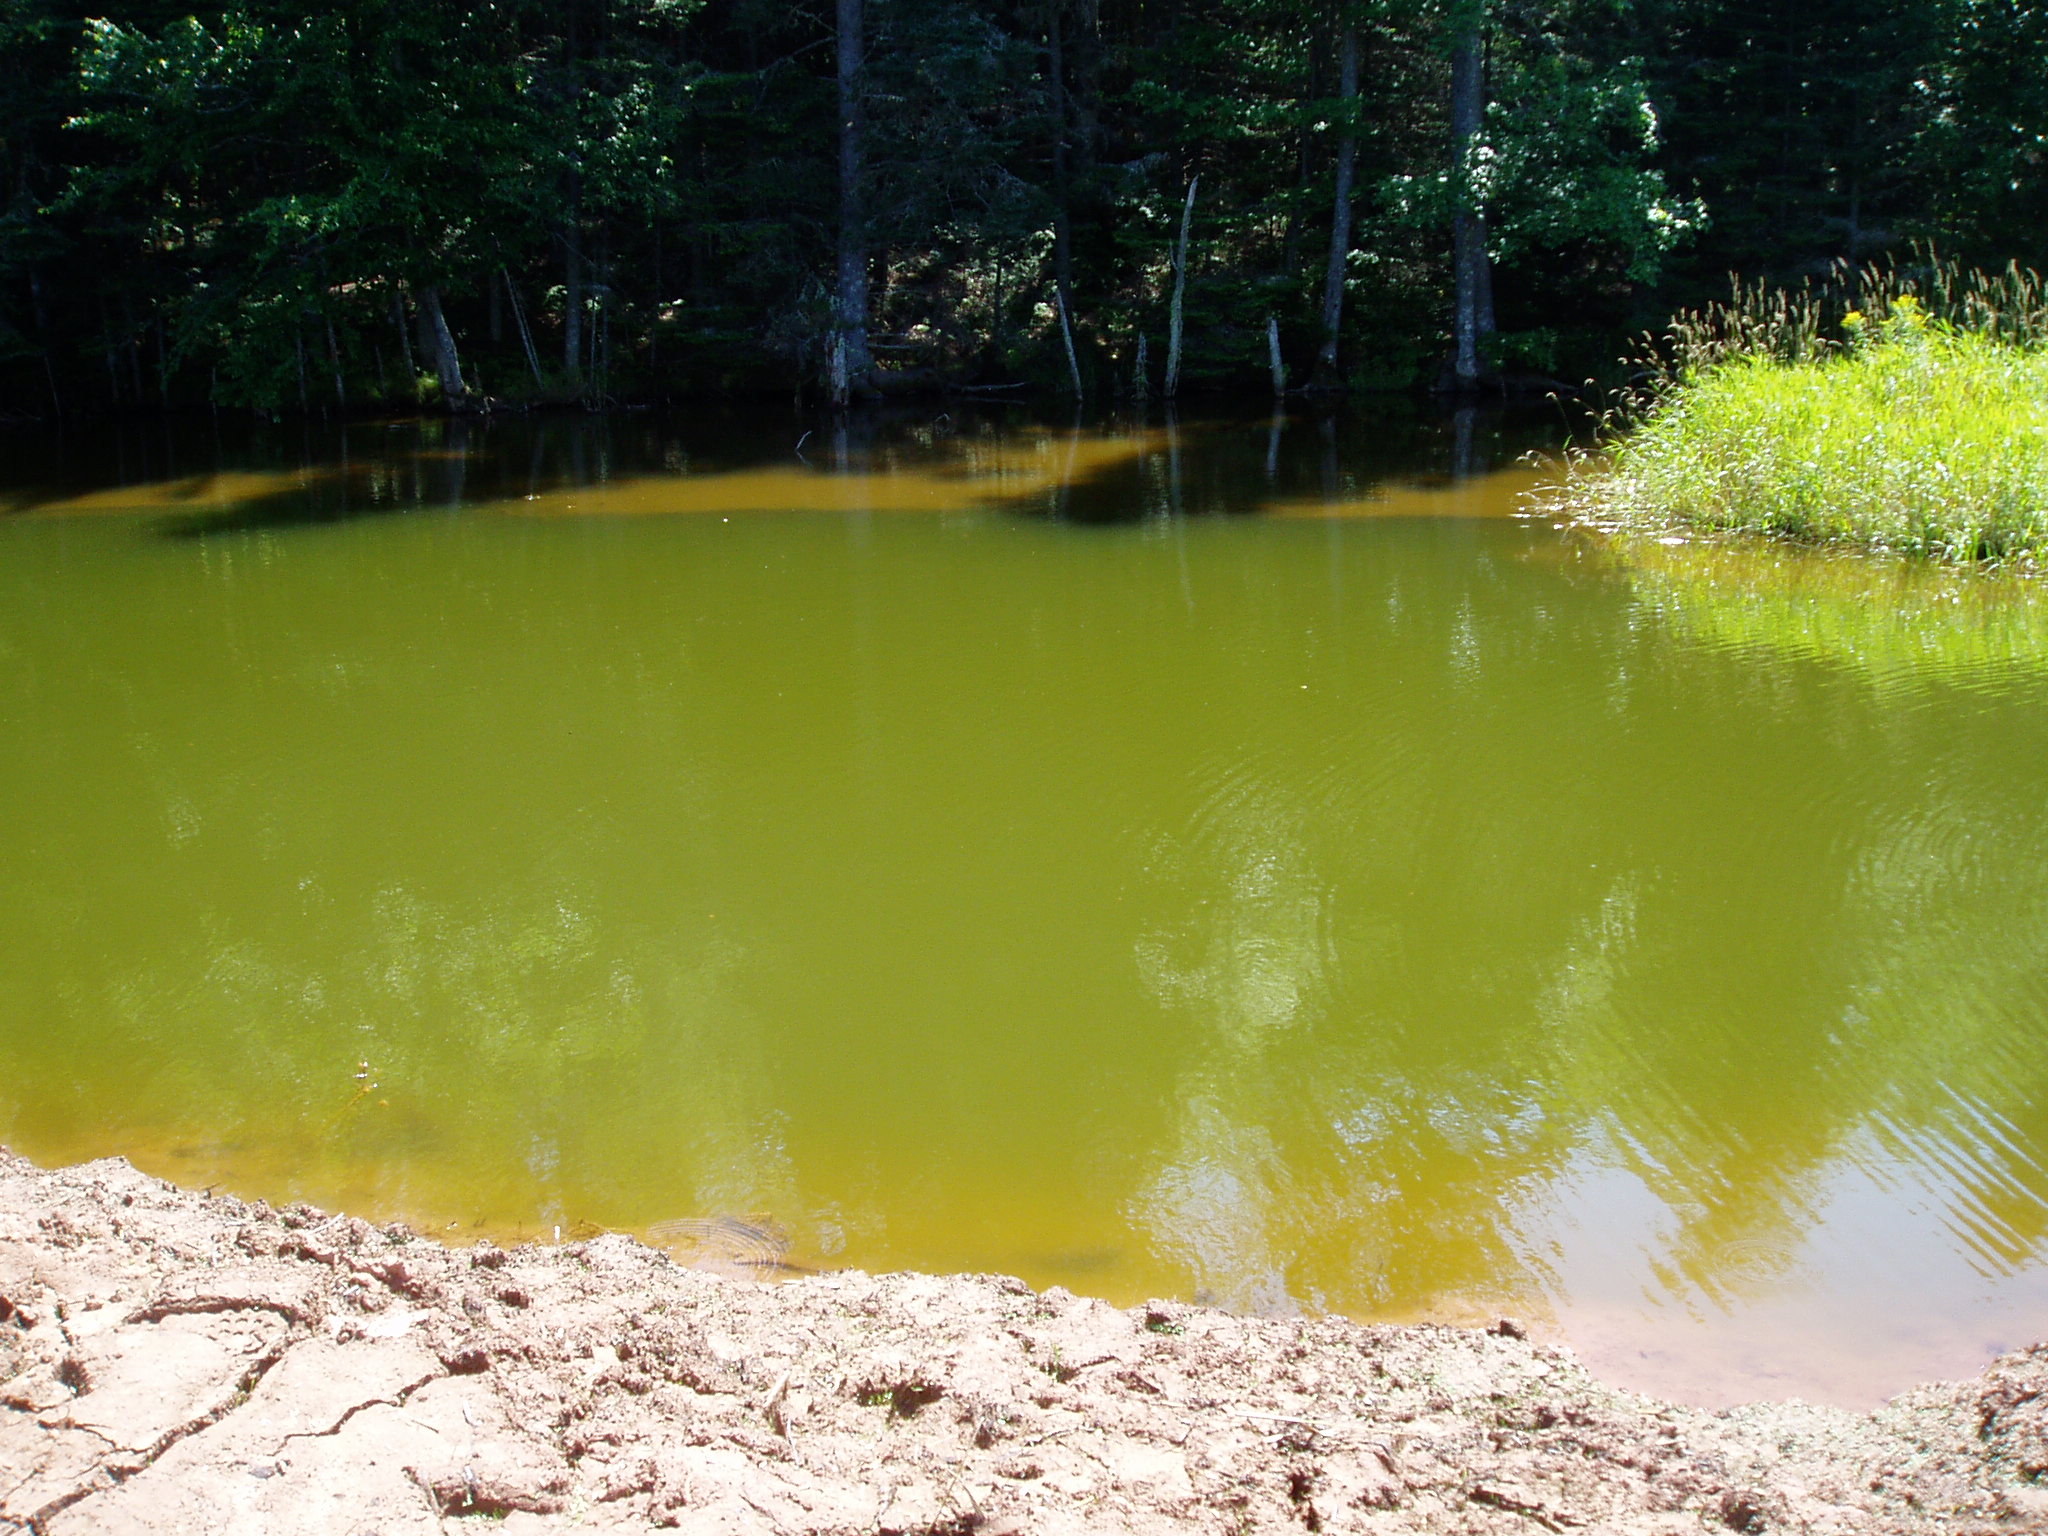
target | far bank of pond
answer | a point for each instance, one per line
(1249, 861)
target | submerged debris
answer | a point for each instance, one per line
(753, 1248)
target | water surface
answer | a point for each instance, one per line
(1245, 862)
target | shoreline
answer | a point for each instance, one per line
(177, 1361)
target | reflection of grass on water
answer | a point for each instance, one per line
(1887, 618)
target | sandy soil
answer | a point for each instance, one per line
(172, 1361)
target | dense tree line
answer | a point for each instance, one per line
(290, 207)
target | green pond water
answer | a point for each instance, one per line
(1238, 861)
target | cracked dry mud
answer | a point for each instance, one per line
(174, 1362)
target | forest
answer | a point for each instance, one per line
(374, 203)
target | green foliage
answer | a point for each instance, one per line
(1571, 161)
(240, 204)
(292, 173)
(1920, 426)
(1567, 161)
(1985, 138)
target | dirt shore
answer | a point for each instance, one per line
(182, 1362)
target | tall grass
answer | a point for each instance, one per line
(1892, 408)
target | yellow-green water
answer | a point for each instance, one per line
(1342, 896)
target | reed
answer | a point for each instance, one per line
(1892, 407)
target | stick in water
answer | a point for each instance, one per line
(1067, 332)
(1180, 284)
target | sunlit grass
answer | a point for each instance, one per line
(1907, 422)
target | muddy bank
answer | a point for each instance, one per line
(172, 1361)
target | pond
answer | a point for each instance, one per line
(1235, 860)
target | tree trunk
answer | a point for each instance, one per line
(1487, 325)
(1180, 285)
(836, 387)
(1067, 334)
(852, 364)
(447, 365)
(412, 369)
(525, 334)
(1468, 227)
(134, 346)
(1083, 84)
(333, 362)
(601, 321)
(1290, 239)
(572, 303)
(1062, 220)
(113, 367)
(1273, 359)
(35, 293)
(1327, 376)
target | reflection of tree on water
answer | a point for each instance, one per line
(1300, 1124)
(540, 1067)
(355, 860)
(1962, 889)
(1246, 970)
(623, 1058)
(1906, 1049)
(1399, 1070)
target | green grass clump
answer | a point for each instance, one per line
(1908, 423)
